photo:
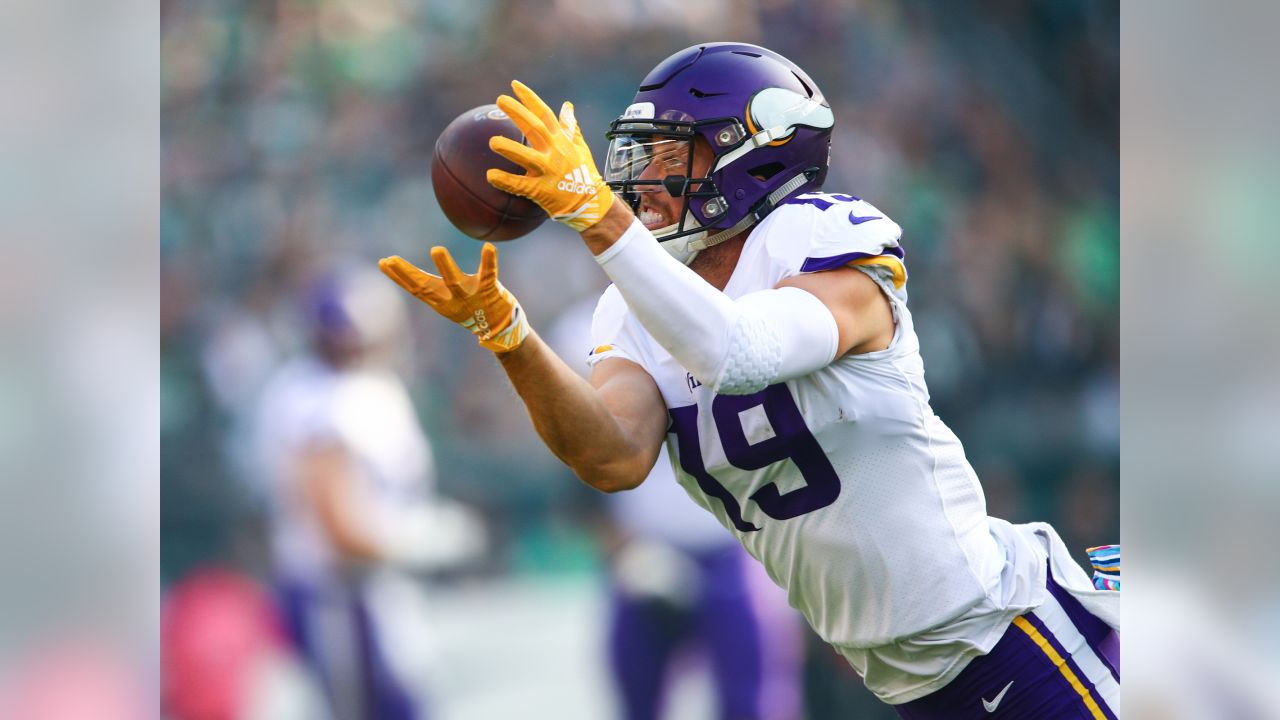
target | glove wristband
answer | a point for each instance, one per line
(590, 212)
(504, 336)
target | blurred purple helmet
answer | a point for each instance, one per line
(766, 122)
(351, 308)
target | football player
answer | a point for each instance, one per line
(350, 479)
(760, 328)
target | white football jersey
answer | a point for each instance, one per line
(857, 499)
(369, 414)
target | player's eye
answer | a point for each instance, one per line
(672, 161)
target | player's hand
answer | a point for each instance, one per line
(561, 175)
(477, 302)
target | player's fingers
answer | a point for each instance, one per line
(413, 280)
(568, 120)
(449, 270)
(393, 267)
(488, 263)
(531, 126)
(535, 104)
(508, 182)
(522, 155)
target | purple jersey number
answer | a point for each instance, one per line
(792, 441)
(822, 203)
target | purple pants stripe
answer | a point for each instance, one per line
(1098, 634)
(1081, 680)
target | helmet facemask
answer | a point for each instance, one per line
(653, 157)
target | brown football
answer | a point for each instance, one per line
(462, 156)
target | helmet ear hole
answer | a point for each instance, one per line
(765, 172)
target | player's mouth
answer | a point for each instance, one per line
(652, 219)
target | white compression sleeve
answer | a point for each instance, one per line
(735, 347)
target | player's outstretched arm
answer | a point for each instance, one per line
(608, 431)
(609, 434)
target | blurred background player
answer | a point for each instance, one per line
(682, 589)
(349, 477)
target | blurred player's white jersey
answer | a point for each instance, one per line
(366, 412)
(843, 483)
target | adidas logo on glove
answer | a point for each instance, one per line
(576, 181)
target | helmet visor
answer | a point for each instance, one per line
(646, 157)
(642, 161)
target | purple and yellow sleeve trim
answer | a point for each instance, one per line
(603, 352)
(891, 258)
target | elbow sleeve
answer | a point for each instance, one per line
(778, 335)
(735, 347)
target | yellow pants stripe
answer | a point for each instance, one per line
(1061, 664)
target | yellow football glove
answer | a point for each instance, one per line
(477, 302)
(561, 176)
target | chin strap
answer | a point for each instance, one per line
(757, 213)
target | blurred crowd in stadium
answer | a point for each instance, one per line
(297, 137)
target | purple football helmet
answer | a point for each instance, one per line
(766, 122)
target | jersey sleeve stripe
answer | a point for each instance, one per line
(813, 264)
(894, 264)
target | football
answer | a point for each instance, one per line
(462, 156)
